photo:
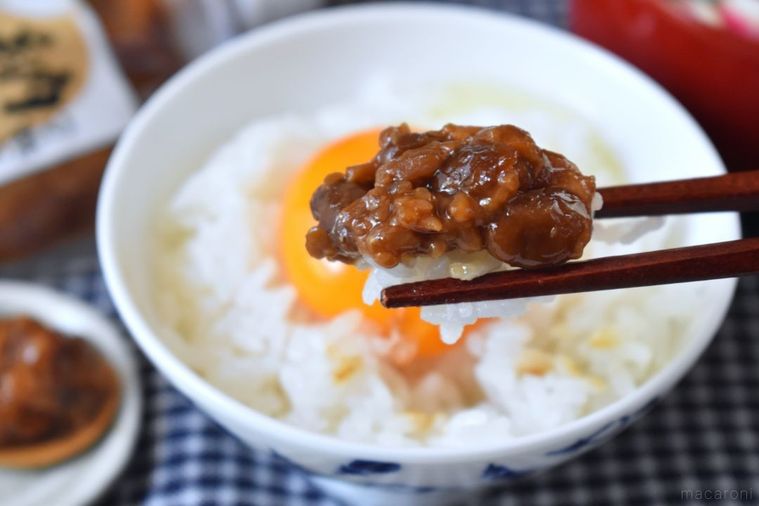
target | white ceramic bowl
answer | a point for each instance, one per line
(315, 59)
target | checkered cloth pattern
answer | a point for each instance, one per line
(700, 442)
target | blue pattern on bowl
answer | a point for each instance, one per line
(368, 467)
(358, 467)
(501, 473)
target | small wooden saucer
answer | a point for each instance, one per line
(49, 453)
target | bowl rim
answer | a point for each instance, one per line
(194, 386)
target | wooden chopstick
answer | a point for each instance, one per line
(738, 191)
(694, 263)
(730, 192)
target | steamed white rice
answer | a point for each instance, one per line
(228, 312)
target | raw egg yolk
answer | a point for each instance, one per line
(330, 288)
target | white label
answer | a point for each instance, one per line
(92, 118)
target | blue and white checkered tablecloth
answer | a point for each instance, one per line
(702, 441)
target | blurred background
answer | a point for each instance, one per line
(69, 87)
(705, 52)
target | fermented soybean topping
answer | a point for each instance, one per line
(461, 187)
(50, 385)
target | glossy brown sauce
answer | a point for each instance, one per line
(50, 385)
(458, 188)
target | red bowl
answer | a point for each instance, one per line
(712, 70)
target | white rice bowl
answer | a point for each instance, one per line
(227, 307)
